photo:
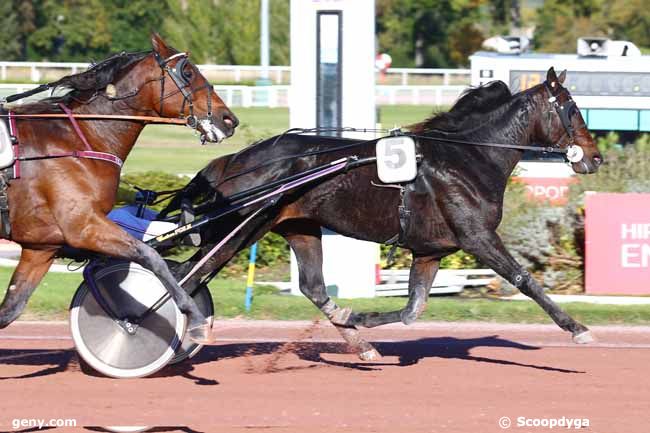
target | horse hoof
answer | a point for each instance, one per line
(370, 355)
(584, 337)
(408, 319)
(201, 334)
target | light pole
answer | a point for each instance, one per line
(264, 41)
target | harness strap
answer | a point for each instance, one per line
(75, 125)
(404, 214)
(89, 153)
(13, 131)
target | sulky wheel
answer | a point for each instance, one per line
(128, 341)
(188, 348)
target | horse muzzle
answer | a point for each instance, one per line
(217, 128)
(210, 132)
(587, 165)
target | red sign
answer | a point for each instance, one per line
(617, 230)
(554, 190)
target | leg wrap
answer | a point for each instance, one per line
(336, 314)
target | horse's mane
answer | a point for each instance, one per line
(473, 102)
(97, 77)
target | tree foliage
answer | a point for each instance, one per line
(214, 31)
(426, 33)
(561, 23)
(429, 33)
(9, 46)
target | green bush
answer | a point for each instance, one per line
(549, 241)
(154, 180)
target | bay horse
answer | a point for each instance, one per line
(60, 201)
(455, 202)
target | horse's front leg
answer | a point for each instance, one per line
(489, 249)
(33, 265)
(309, 254)
(423, 272)
(102, 236)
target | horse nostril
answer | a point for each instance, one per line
(598, 160)
(230, 121)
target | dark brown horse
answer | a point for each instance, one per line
(64, 201)
(455, 202)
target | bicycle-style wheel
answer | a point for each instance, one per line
(130, 341)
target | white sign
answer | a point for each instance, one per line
(396, 160)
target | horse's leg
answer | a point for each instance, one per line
(103, 236)
(33, 265)
(423, 272)
(489, 249)
(309, 254)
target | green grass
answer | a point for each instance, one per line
(404, 115)
(176, 149)
(51, 300)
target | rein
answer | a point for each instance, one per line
(150, 119)
(392, 133)
(572, 152)
(544, 149)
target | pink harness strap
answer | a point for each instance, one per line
(89, 152)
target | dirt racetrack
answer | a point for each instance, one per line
(434, 377)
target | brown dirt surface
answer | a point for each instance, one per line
(268, 376)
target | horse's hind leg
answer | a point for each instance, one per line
(309, 254)
(103, 236)
(33, 265)
(423, 272)
(489, 249)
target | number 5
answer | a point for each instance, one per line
(393, 149)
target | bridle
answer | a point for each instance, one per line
(565, 111)
(181, 78)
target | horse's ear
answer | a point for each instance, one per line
(551, 76)
(562, 77)
(159, 45)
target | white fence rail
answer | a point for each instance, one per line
(49, 71)
(280, 95)
(394, 282)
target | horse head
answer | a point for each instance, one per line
(560, 124)
(183, 91)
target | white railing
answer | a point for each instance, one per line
(417, 95)
(461, 76)
(279, 96)
(35, 69)
(49, 71)
(254, 96)
(394, 282)
(11, 89)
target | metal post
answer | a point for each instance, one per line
(264, 38)
(251, 277)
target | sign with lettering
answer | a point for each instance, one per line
(617, 238)
(554, 190)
